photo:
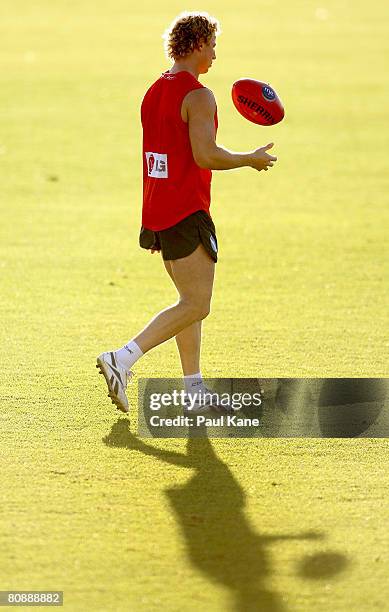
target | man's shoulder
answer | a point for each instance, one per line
(203, 97)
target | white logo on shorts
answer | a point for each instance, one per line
(156, 164)
(213, 243)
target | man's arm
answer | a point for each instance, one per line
(201, 107)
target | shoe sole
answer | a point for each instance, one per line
(114, 398)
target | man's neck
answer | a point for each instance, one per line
(180, 66)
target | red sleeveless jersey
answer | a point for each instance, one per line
(174, 186)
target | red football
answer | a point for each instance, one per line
(257, 102)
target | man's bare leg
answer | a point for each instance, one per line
(188, 340)
(189, 346)
(193, 277)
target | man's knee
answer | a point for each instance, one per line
(203, 311)
(197, 310)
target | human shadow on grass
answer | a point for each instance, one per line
(220, 540)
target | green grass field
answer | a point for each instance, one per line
(87, 507)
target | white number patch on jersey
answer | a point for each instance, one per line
(156, 164)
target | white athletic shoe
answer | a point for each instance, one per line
(116, 378)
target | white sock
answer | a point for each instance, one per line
(128, 354)
(194, 384)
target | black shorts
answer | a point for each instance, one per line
(182, 239)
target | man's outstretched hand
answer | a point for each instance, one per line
(261, 160)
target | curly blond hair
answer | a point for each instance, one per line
(187, 32)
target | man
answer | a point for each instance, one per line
(179, 119)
